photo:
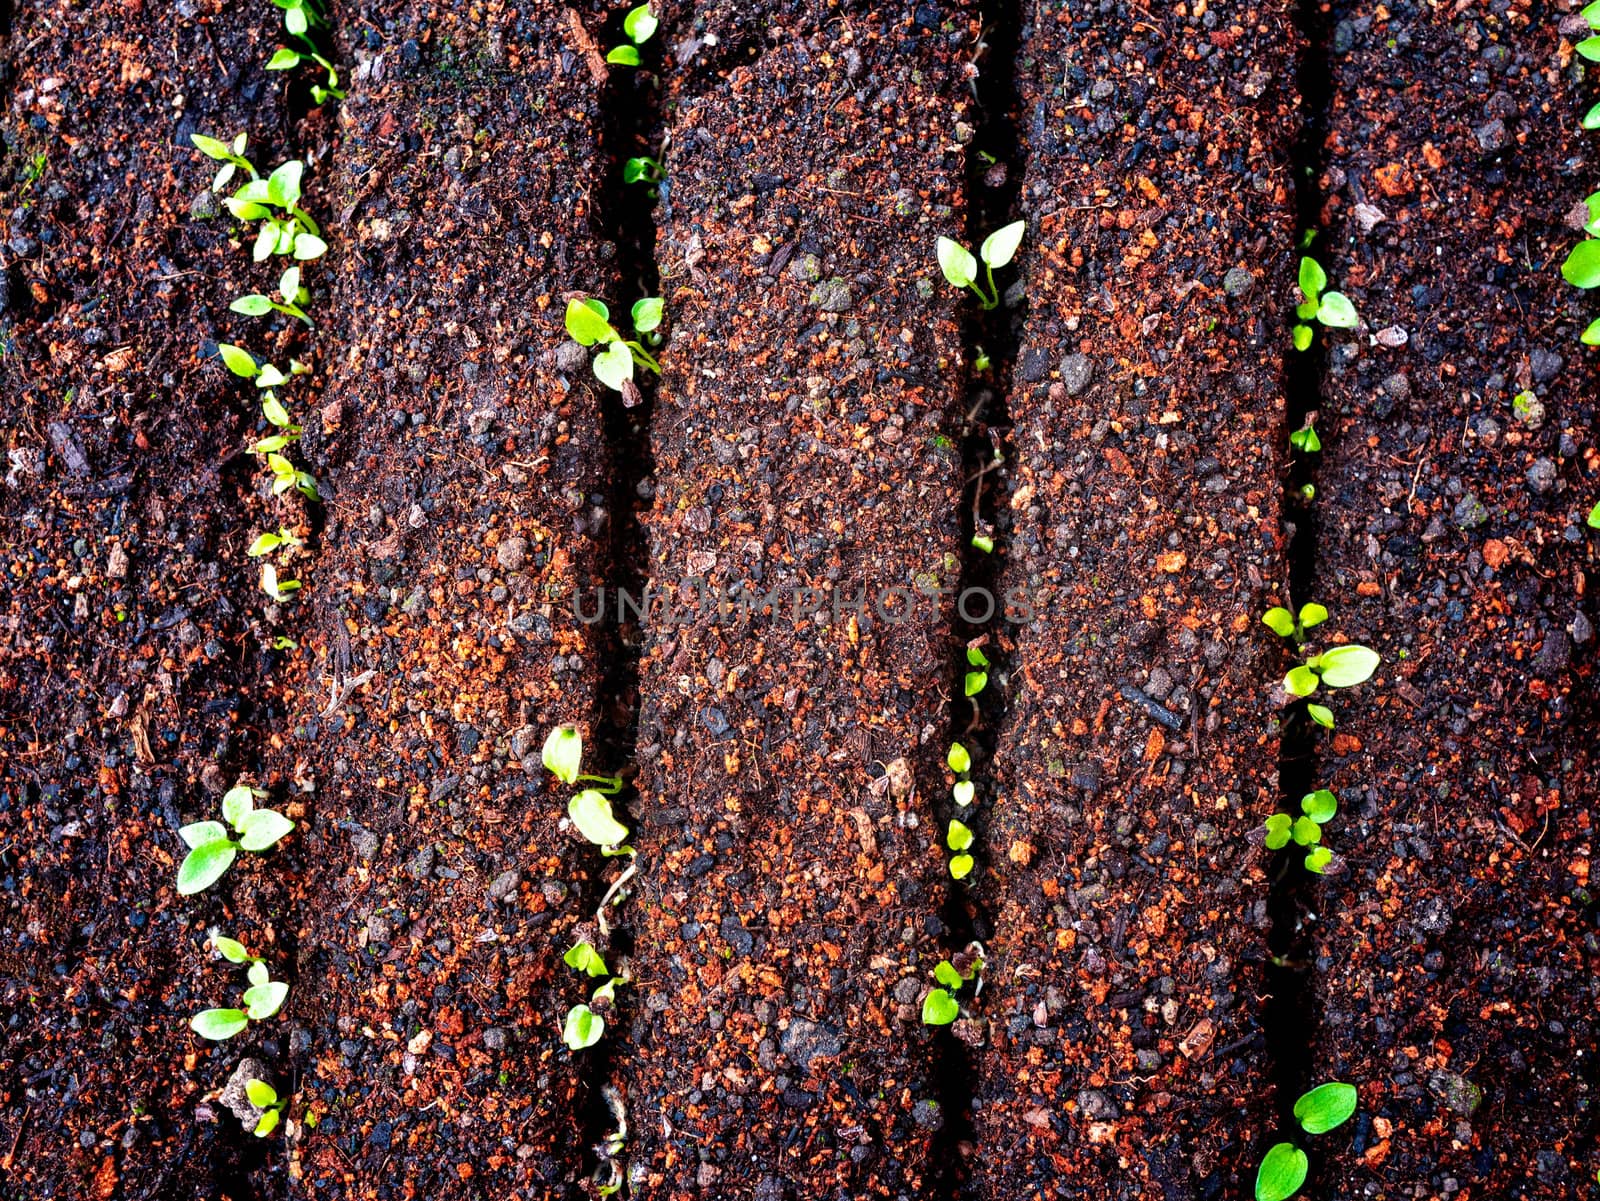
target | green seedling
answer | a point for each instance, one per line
(1337, 667)
(265, 1098)
(1286, 625)
(981, 361)
(285, 228)
(563, 759)
(590, 810)
(585, 1024)
(589, 323)
(229, 154)
(286, 60)
(1581, 268)
(939, 1006)
(265, 544)
(300, 17)
(998, 249)
(212, 851)
(958, 837)
(640, 25)
(642, 170)
(286, 475)
(262, 999)
(1283, 1168)
(583, 957)
(1330, 309)
(984, 543)
(279, 589)
(1305, 439)
(292, 295)
(1593, 520)
(959, 760)
(1316, 810)
(977, 679)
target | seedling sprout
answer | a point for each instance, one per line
(961, 268)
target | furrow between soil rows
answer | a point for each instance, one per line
(790, 749)
(1456, 959)
(1127, 1056)
(136, 678)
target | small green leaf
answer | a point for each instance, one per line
(963, 792)
(1591, 333)
(1317, 860)
(975, 683)
(623, 56)
(232, 950)
(583, 1028)
(1306, 310)
(1590, 49)
(283, 60)
(984, 543)
(272, 409)
(218, 1024)
(639, 24)
(585, 958)
(1281, 1174)
(1347, 666)
(1000, 247)
(1278, 826)
(958, 837)
(1593, 520)
(266, 243)
(264, 1000)
(976, 657)
(203, 866)
(947, 975)
(563, 753)
(263, 828)
(211, 147)
(1306, 440)
(1305, 832)
(309, 246)
(261, 1093)
(1312, 278)
(589, 322)
(1302, 337)
(957, 263)
(237, 360)
(295, 20)
(252, 306)
(268, 1123)
(237, 803)
(590, 812)
(939, 1008)
(270, 445)
(958, 759)
(224, 174)
(1582, 266)
(1301, 681)
(1321, 714)
(1320, 806)
(1325, 1107)
(647, 313)
(1336, 312)
(197, 834)
(258, 973)
(613, 366)
(1312, 615)
(1279, 620)
(961, 867)
(1591, 119)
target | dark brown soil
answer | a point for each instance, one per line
(803, 440)
(1127, 1055)
(1456, 958)
(130, 615)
